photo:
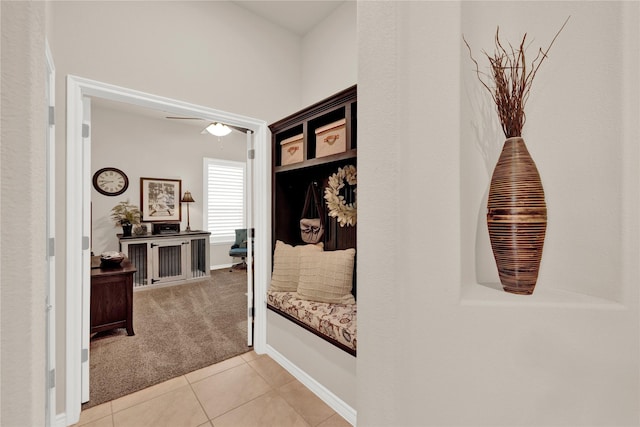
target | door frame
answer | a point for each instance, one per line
(50, 403)
(77, 206)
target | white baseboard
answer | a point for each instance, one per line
(334, 402)
(220, 267)
(61, 420)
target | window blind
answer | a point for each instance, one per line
(225, 198)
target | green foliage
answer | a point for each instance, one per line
(125, 213)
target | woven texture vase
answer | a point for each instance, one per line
(517, 218)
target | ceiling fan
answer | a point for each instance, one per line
(214, 128)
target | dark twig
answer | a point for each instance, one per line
(510, 79)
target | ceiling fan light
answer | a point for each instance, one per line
(218, 129)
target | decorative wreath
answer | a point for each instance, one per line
(339, 208)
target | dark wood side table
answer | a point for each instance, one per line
(111, 296)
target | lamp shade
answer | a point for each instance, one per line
(187, 198)
(218, 129)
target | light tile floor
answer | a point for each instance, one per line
(247, 390)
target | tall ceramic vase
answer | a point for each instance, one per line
(517, 218)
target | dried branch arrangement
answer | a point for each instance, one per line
(510, 79)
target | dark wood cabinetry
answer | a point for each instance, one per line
(111, 296)
(290, 182)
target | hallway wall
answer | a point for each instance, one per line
(214, 54)
(23, 214)
(450, 350)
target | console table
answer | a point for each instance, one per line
(111, 296)
(163, 259)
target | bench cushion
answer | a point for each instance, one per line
(335, 321)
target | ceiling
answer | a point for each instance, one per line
(299, 17)
(136, 110)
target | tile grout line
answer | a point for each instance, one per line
(290, 405)
(213, 375)
(210, 420)
(231, 409)
(151, 398)
(112, 412)
(277, 390)
(236, 407)
(301, 415)
(198, 398)
(200, 403)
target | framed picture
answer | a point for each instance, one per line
(160, 199)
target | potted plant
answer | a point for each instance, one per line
(126, 215)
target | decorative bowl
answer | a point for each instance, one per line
(111, 259)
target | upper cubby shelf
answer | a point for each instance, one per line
(321, 133)
(349, 154)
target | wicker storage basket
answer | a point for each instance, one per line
(331, 139)
(291, 150)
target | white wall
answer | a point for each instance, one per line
(207, 53)
(576, 167)
(22, 214)
(329, 55)
(143, 146)
(434, 358)
(449, 351)
(329, 65)
(333, 368)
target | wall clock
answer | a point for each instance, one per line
(110, 181)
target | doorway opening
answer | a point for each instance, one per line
(185, 317)
(78, 209)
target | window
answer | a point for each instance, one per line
(224, 198)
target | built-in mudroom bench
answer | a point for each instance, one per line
(311, 300)
(163, 259)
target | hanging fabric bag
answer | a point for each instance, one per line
(312, 222)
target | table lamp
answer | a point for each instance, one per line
(187, 198)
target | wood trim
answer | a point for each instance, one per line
(349, 154)
(315, 110)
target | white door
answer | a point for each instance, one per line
(250, 235)
(86, 246)
(50, 230)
